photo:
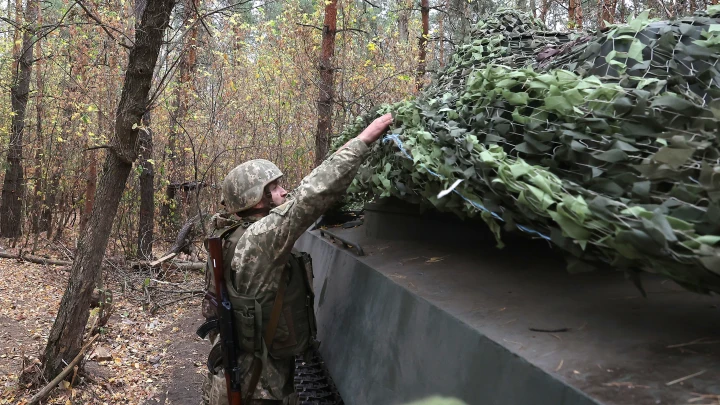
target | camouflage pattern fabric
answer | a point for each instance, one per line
(265, 248)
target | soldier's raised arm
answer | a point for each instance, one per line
(317, 192)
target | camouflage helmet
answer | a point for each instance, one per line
(244, 186)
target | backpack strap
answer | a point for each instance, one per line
(269, 333)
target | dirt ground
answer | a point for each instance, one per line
(140, 357)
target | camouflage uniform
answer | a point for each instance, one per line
(264, 249)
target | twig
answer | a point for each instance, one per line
(703, 397)
(687, 377)
(351, 30)
(157, 306)
(701, 341)
(158, 289)
(46, 390)
(308, 25)
(99, 147)
(104, 27)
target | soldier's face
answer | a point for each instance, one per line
(277, 193)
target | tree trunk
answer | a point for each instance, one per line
(39, 152)
(681, 7)
(51, 194)
(441, 30)
(422, 43)
(578, 14)
(169, 214)
(90, 187)
(17, 34)
(404, 10)
(65, 339)
(543, 10)
(575, 17)
(13, 191)
(607, 14)
(327, 91)
(91, 167)
(147, 193)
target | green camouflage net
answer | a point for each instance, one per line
(605, 145)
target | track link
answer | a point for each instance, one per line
(313, 382)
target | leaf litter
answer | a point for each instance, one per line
(130, 364)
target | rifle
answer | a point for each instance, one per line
(225, 323)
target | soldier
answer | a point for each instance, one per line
(259, 230)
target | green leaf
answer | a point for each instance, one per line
(639, 22)
(674, 103)
(708, 239)
(611, 156)
(559, 104)
(569, 227)
(610, 56)
(635, 51)
(673, 157)
(516, 98)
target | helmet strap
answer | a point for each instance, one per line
(253, 212)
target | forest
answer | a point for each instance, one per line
(120, 120)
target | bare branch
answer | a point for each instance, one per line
(311, 26)
(105, 28)
(351, 29)
(202, 19)
(99, 147)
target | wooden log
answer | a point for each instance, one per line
(36, 259)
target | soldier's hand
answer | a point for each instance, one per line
(373, 132)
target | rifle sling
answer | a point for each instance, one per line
(269, 333)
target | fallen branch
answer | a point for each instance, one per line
(162, 259)
(157, 306)
(36, 259)
(48, 388)
(182, 265)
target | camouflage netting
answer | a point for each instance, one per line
(605, 145)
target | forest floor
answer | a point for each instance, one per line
(141, 357)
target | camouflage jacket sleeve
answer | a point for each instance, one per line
(268, 242)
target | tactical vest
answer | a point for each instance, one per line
(296, 328)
